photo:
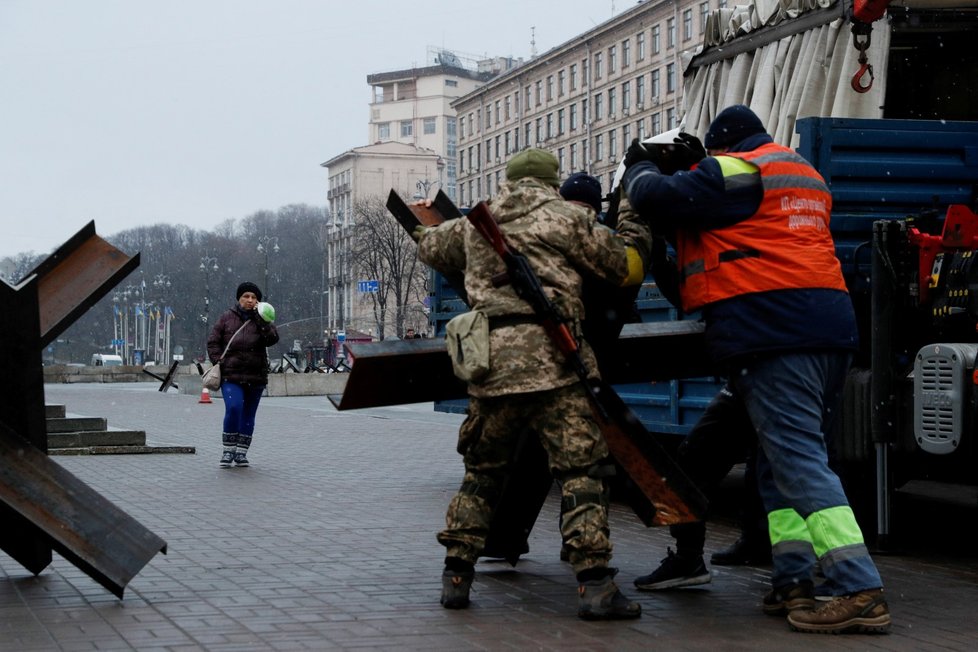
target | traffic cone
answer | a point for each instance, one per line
(205, 395)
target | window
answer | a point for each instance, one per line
(461, 125)
(507, 110)
(656, 40)
(526, 99)
(562, 161)
(671, 78)
(509, 147)
(626, 137)
(488, 151)
(550, 125)
(550, 88)
(704, 14)
(573, 117)
(560, 122)
(499, 153)
(528, 134)
(539, 92)
(598, 106)
(655, 85)
(626, 53)
(640, 129)
(384, 131)
(407, 128)
(656, 123)
(584, 116)
(612, 145)
(640, 47)
(573, 76)
(598, 60)
(612, 59)
(573, 157)
(499, 112)
(488, 123)
(612, 105)
(671, 119)
(599, 147)
(671, 33)
(539, 131)
(687, 24)
(516, 139)
(561, 83)
(428, 126)
(640, 91)
(451, 83)
(471, 122)
(626, 96)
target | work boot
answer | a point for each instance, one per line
(601, 599)
(865, 612)
(455, 587)
(787, 599)
(674, 572)
(743, 552)
(230, 441)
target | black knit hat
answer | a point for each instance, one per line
(583, 188)
(248, 286)
(732, 125)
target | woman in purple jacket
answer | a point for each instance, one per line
(244, 370)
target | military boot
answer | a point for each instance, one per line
(455, 587)
(600, 599)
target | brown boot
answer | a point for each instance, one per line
(865, 612)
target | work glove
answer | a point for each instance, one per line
(417, 232)
(638, 152)
(689, 150)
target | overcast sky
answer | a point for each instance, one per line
(195, 111)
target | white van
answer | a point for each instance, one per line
(106, 360)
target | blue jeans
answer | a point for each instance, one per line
(792, 400)
(240, 407)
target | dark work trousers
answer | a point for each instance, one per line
(724, 436)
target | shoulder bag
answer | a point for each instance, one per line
(212, 377)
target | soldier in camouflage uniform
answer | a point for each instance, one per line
(528, 385)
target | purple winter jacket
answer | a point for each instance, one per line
(246, 362)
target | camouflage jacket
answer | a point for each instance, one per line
(563, 242)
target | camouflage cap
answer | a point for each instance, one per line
(533, 162)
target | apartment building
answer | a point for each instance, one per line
(358, 174)
(413, 105)
(584, 100)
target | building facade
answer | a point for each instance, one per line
(356, 175)
(584, 100)
(413, 106)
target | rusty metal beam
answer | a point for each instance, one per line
(75, 277)
(395, 372)
(96, 536)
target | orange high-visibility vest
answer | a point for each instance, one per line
(786, 244)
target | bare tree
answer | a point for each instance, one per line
(381, 250)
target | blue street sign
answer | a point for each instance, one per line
(368, 286)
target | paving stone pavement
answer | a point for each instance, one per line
(328, 542)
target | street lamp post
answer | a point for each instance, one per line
(266, 242)
(207, 265)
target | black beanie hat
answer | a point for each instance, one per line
(583, 188)
(731, 126)
(248, 286)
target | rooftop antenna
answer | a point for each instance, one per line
(533, 42)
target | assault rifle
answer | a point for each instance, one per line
(672, 497)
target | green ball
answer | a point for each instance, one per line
(266, 311)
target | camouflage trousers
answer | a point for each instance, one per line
(578, 457)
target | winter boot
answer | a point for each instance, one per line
(230, 441)
(788, 599)
(241, 453)
(600, 599)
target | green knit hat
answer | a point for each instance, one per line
(533, 162)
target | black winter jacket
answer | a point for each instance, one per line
(246, 362)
